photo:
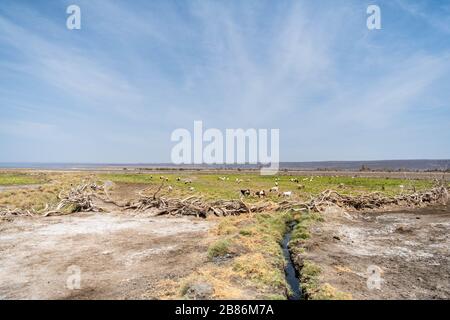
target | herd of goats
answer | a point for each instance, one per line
(247, 192)
(89, 196)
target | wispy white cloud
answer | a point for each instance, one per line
(419, 10)
(136, 71)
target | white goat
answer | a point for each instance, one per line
(287, 194)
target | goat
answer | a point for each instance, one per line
(260, 193)
(187, 181)
(287, 194)
(276, 183)
(274, 189)
(245, 192)
(300, 186)
(191, 189)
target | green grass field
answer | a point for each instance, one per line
(9, 179)
(210, 186)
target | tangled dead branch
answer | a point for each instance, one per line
(369, 201)
(195, 206)
(77, 199)
(82, 199)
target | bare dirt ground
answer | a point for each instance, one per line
(124, 255)
(120, 256)
(20, 187)
(411, 248)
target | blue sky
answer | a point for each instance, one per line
(137, 70)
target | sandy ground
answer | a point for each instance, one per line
(118, 256)
(409, 250)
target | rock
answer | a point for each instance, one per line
(403, 229)
(199, 291)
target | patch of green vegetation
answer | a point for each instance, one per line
(354, 185)
(260, 270)
(273, 225)
(313, 289)
(8, 179)
(219, 248)
(301, 229)
(309, 278)
(258, 257)
(246, 232)
(264, 265)
(328, 292)
(130, 178)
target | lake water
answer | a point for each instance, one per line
(394, 165)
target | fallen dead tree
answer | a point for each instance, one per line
(78, 199)
(195, 206)
(373, 200)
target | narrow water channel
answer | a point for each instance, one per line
(290, 272)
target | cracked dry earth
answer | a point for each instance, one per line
(120, 256)
(409, 248)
